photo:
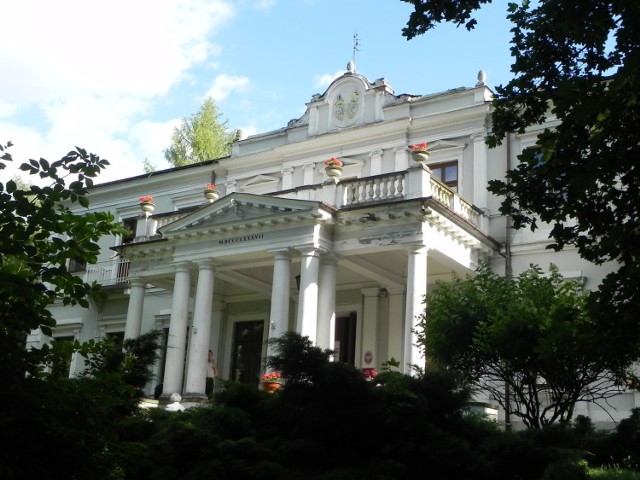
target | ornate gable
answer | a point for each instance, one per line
(242, 209)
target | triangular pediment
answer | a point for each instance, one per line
(244, 208)
(260, 180)
(441, 145)
(260, 183)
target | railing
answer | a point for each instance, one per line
(373, 189)
(163, 220)
(410, 184)
(111, 272)
(414, 183)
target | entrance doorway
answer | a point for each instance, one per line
(247, 352)
(345, 339)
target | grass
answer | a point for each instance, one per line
(613, 473)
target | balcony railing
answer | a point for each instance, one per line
(415, 182)
(111, 272)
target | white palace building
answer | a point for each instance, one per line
(344, 257)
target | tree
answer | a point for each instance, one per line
(147, 166)
(576, 61)
(71, 426)
(200, 137)
(533, 333)
(39, 235)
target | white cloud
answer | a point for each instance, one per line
(7, 109)
(265, 4)
(224, 84)
(151, 139)
(248, 131)
(88, 72)
(324, 80)
(75, 46)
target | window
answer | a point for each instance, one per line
(61, 363)
(447, 173)
(76, 266)
(130, 224)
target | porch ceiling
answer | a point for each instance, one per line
(370, 270)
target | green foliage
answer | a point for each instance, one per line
(427, 15)
(80, 427)
(576, 61)
(533, 333)
(39, 234)
(53, 426)
(566, 470)
(203, 136)
(297, 359)
(613, 473)
(328, 423)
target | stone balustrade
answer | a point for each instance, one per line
(111, 272)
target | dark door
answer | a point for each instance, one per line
(345, 338)
(247, 352)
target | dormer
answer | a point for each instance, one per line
(350, 101)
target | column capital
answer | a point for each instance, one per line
(137, 282)
(206, 264)
(479, 135)
(378, 151)
(370, 292)
(182, 266)
(417, 248)
(280, 253)
(398, 290)
(309, 250)
(402, 149)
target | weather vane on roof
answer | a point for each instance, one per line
(356, 44)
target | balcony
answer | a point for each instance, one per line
(416, 182)
(111, 272)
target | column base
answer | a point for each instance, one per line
(188, 400)
(191, 399)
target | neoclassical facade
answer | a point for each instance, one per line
(343, 257)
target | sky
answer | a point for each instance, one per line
(117, 77)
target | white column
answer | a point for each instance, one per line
(395, 336)
(134, 310)
(308, 173)
(280, 294)
(307, 318)
(174, 363)
(375, 162)
(287, 178)
(327, 302)
(416, 290)
(401, 158)
(480, 180)
(369, 328)
(200, 332)
(215, 334)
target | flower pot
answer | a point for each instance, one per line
(333, 172)
(211, 195)
(147, 208)
(271, 386)
(420, 156)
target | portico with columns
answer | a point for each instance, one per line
(296, 265)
